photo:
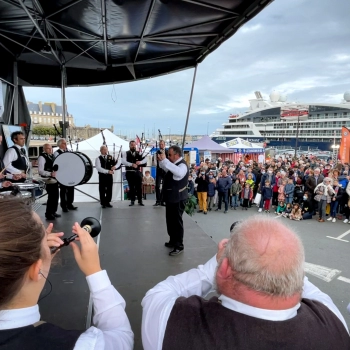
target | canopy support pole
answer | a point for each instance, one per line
(63, 95)
(189, 107)
(15, 93)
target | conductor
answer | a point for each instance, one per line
(132, 161)
(175, 196)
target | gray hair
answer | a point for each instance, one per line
(176, 150)
(317, 169)
(280, 275)
(60, 141)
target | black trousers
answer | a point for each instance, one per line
(105, 188)
(52, 198)
(67, 196)
(134, 179)
(159, 178)
(174, 222)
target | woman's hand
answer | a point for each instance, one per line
(86, 256)
(53, 239)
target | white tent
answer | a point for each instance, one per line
(242, 146)
(91, 148)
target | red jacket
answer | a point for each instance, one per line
(250, 193)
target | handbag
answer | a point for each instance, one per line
(257, 198)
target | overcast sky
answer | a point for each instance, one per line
(298, 47)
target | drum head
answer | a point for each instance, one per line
(72, 169)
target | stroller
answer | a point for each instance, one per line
(298, 194)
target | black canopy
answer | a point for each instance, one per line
(111, 41)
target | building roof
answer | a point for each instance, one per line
(46, 108)
(111, 41)
(207, 144)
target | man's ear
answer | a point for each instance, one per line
(34, 272)
(224, 270)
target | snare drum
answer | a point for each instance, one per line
(73, 168)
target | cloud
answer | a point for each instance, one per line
(247, 28)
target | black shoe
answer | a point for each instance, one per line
(142, 205)
(163, 204)
(217, 209)
(50, 217)
(176, 251)
(209, 209)
(205, 213)
(156, 205)
(131, 204)
(56, 215)
(65, 210)
(72, 207)
(199, 211)
(109, 205)
(103, 206)
(169, 245)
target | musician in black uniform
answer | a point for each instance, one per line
(45, 165)
(66, 192)
(4, 183)
(105, 165)
(175, 196)
(160, 174)
(16, 158)
(132, 161)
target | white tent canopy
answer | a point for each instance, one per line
(242, 146)
(91, 148)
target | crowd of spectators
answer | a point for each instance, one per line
(295, 188)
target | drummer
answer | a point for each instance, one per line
(66, 192)
(16, 159)
(4, 183)
(45, 165)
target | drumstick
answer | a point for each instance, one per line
(5, 168)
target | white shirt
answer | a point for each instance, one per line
(99, 167)
(11, 156)
(126, 163)
(159, 301)
(179, 171)
(112, 328)
(56, 154)
(41, 165)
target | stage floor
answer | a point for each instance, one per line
(131, 250)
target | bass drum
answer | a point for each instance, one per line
(73, 168)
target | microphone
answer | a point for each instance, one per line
(89, 224)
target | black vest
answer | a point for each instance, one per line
(20, 163)
(107, 164)
(133, 158)
(175, 191)
(198, 324)
(48, 161)
(44, 337)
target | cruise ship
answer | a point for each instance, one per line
(280, 124)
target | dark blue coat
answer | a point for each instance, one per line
(266, 193)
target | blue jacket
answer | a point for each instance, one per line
(289, 189)
(223, 184)
(343, 181)
(211, 189)
(266, 192)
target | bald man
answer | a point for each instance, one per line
(45, 165)
(264, 302)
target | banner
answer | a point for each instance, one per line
(344, 150)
